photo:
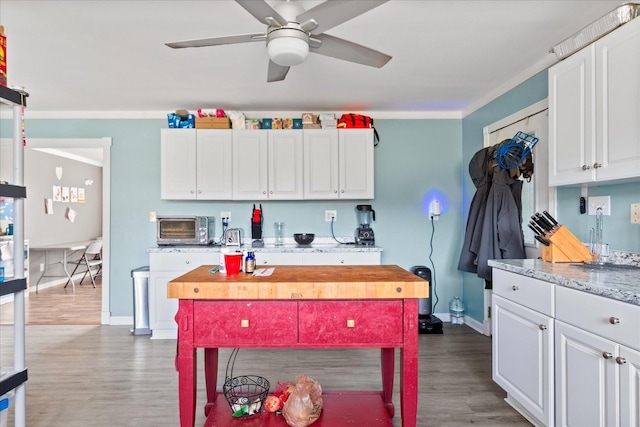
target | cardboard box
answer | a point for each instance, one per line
(213, 123)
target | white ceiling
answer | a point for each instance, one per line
(448, 56)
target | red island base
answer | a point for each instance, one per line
(339, 409)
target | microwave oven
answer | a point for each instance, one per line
(184, 230)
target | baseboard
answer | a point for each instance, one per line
(476, 325)
(117, 320)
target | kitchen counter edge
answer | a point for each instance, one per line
(621, 285)
(337, 248)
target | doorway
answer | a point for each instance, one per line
(537, 196)
(86, 148)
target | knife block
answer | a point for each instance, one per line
(565, 247)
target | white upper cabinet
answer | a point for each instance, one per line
(250, 165)
(321, 164)
(285, 164)
(594, 105)
(356, 163)
(220, 164)
(338, 164)
(196, 164)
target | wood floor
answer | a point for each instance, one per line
(84, 374)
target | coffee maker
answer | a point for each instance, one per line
(364, 233)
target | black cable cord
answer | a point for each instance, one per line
(333, 235)
(433, 267)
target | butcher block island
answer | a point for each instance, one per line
(372, 306)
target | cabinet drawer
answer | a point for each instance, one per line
(342, 258)
(597, 314)
(182, 262)
(251, 322)
(532, 293)
(278, 258)
(350, 322)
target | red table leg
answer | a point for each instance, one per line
(388, 363)
(186, 364)
(409, 365)
(211, 377)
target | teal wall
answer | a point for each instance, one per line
(618, 230)
(414, 159)
(527, 93)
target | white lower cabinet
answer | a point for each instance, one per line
(565, 357)
(164, 267)
(341, 258)
(523, 344)
(278, 258)
(597, 370)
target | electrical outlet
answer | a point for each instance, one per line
(225, 215)
(600, 201)
(41, 267)
(152, 217)
(330, 215)
(635, 213)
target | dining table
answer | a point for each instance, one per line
(67, 249)
(294, 306)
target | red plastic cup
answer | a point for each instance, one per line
(232, 263)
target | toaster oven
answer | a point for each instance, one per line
(184, 230)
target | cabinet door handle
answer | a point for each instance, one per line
(621, 360)
(335, 191)
(515, 288)
(270, 192)
(341, 261)
(192, 191)
(264, 192)
(199, 191)
(597, 165)
(614, 320)
(586, 167)
(607, 355)
(342, 191)
(187, 262)
(543, 327)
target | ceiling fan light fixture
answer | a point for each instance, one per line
(287, 47)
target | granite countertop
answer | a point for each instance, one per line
(319, 245)
(619, 284)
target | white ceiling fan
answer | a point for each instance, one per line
(293, 32)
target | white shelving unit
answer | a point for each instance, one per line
(14, 377)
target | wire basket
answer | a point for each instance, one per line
(245, 394)
(513, 153)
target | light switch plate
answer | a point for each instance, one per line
(635, 213)
(599, 201)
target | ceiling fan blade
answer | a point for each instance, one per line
(217, 41)
(261, 10)
(276, 72)
(349, 51)
(332, 13)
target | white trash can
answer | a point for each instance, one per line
(140, 277)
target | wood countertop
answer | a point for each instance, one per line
(302, 282)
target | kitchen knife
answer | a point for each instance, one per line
(539, 223)
(543, 222)
(549, 217)
(536, 229)
(542, 240)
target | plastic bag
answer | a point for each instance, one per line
(304, 405)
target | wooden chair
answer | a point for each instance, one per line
(92, 259)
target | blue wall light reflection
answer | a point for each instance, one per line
(430, 196)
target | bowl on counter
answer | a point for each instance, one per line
(304, 238)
